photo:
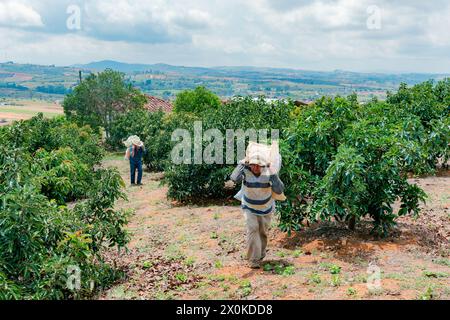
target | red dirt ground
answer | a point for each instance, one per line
(196, 252)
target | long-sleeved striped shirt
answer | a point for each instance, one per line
(257, 190)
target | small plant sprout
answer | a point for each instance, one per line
(181, 277)
(297, 253)
(214, 235)
(335, 280)
(314, 278)
(351, 292)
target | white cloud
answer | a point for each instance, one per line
(144, 20)
(193, 19)
(320, 34)
(16, 14)
(438, 31)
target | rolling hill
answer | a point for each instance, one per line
(163, 80)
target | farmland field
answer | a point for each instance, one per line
(29, 81)
(196, 252)
(11, 110)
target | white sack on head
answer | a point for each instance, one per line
(257, 153)
(264, 155)
(275, 157)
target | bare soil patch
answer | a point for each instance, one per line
(196, 252)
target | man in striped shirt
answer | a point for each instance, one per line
(258, 183)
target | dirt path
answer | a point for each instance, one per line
(193, 252)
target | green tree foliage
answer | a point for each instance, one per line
(160, 145)
(196, 101)
(425, 100)
(195, 181)
(350, 160)
(43, 164)
(154, 128)
(341, 159)
(99, 98)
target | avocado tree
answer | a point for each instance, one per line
(344, 160)
(196, 101)
(44, 164)
(99, 98)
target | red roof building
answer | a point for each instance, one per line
(155, 104)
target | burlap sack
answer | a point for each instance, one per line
(265, 155)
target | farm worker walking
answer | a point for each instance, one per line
(135, 152)
(260, 187)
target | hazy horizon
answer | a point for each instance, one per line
(385, 72)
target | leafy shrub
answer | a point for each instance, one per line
(41, 239)
(61, 174)
(154, 129)
(352, 160)
(138, 122)
(425, 100)
(195, 181)
(196, 101)
(160, 145)
(58, 156)
(50, 134)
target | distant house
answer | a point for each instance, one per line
(155, 104)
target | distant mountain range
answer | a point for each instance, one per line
(163, 80)
(249, 71)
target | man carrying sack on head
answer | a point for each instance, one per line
(135, 152)
(261, 185)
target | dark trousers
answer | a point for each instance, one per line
(133, 166)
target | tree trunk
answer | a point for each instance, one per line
(352, 223)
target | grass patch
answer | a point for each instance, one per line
(351, 292)
(189, 261)
(164, 296)
(297, 253)
(245, 288)
(314, 278)
(395, 276)
(173, 253)
(280, 269)
(213, 235)
(219, 277)
(113, 156)
(435, 274)
(331, 267)
(427, 295)
(360, 278)
(181, 277)
(442, 261)
(119, 292)
(335, 280)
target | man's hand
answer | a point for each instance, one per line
(230, 184)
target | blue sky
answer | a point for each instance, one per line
(357, 35)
